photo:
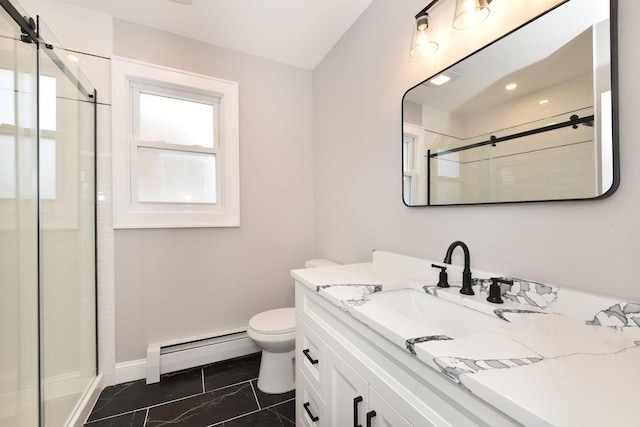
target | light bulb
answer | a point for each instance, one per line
(470, 13)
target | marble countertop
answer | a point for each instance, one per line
(545, 359)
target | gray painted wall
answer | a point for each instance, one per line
(590, 246)
(174, 283)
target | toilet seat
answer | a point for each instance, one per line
(274, 322)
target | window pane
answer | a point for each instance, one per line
(175, 121)
(48, 107)
(47, 168)
(7, 167)
(176, 177)
(407, 189)
(7, 98)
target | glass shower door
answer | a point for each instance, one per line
(47, 228)
(19, 382)
(67, 232)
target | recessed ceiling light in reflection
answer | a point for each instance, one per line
(440, 79)
(511, 86)
(543, 102)
(445, 77)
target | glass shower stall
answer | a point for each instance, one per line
(48, 357)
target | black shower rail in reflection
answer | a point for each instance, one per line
(574, 121)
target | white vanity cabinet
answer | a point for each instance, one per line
(348, 375)
(351, 400)
(346, 398)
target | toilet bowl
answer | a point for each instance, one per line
(274, 331)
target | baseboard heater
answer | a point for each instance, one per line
(190, 352)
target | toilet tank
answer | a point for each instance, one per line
(320, 262)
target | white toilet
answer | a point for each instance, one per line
(274, 331)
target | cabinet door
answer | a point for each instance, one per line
(382, 414)
(345, 392)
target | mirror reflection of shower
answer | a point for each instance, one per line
(528, 118)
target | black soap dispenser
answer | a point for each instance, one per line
(443, 281)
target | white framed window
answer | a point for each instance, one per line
(175, 148)
(413, 172)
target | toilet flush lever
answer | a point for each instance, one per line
(311, 359)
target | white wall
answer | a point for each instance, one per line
(357, 89)
(175, 283)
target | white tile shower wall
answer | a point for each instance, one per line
(106, 259)
(517, 177)
(88, 35)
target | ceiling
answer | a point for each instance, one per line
(294, 32)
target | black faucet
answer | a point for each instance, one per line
(466, 273)
(495, 291)
(443, 281)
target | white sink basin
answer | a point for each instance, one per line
(450, 319)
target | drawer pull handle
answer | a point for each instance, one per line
(356, 400)
(306, 408)
(311, 359)
(369, 416)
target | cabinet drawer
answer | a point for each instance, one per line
(309, 404)
(311, 356)
(312, 312)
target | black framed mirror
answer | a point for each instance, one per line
(530, 117)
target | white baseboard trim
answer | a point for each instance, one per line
(132, 370)
(184, 358)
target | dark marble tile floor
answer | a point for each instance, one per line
(223, 394)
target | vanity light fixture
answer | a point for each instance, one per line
(470, 13)
(421, 43)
